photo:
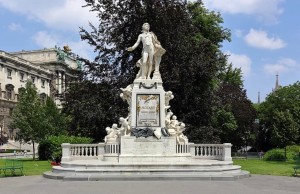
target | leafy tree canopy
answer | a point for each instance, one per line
(34, 118)
(192, 36)
(281, 107)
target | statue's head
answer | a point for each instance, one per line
(107, 129)
(146, 26)
(174, 117)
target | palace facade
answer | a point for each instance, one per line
(48, 69)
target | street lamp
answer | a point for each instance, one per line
(0, 135)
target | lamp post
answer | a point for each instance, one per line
(1, 127)
(0, 134)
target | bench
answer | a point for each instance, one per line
(12, 165)
(296, 168)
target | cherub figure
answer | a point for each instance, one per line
(112, 134)
(125, 125)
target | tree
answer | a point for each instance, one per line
(281, 107)
(285, 129)
(57, 122)
(93, 106)
(28, 116)
(35, 118)
(225, 122)
(192, 36)
(235, 113)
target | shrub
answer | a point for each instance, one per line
(278, 154)
(293, 148)
(50, 148)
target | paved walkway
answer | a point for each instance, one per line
(257, 184)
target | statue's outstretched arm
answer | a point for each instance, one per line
(135, 45)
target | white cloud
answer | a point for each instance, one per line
(56, 14)
(261, 39)
(282, 66)
(49, 40)
(46, 40)
(15, 27)
(240, 61)
(289, 62)
(265, 10)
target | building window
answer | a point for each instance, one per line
(9, 94)
(9, 72)
(9, 91)
(43, 83)
(21, 76)
(43, 97)
(11, 111)
(32, 79)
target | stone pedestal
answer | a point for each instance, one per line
(148, 103)
(150, 149)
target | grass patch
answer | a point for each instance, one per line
(254, 166)
(278, 168)
(31, 167)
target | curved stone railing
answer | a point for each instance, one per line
(81, 151)
(112, 151)
(211, 151)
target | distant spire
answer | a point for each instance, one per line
(258, 98)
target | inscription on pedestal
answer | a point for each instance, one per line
(148, 110)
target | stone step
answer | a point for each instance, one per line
(147, 177)
(145, 169)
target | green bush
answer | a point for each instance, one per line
(293, 148)
(278, 154)
(50, 148)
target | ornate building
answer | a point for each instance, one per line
(48, 69)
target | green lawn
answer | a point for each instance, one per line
(256, 166)
(31, 167)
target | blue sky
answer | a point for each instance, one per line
(265, 34)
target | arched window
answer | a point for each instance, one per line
(9, 91)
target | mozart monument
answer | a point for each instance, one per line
(148, 143)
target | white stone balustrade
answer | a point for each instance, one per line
(211, 151)
(182, 148)
(92, 151)
(80, 151)
(112, 148)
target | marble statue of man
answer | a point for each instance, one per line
(151, 54)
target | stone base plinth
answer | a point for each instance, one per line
(151, 149)
(148, 146)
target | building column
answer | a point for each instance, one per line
(59, 81)
(63, 77)
(56, 80)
